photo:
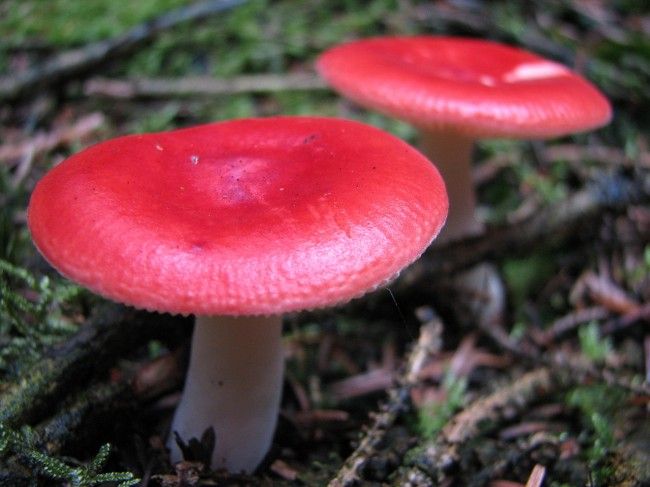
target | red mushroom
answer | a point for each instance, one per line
(456, 90)
(238, 222)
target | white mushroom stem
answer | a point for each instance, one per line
(233, 384)
(452, 155)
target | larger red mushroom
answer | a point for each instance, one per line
(457, 90)
(238, 222)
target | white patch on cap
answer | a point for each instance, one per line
(487, 80)
(535, 70)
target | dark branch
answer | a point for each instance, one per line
(112, 331)
(573, 217)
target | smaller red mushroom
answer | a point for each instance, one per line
(457, 90)
(238, 222)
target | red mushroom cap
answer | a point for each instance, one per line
(480, 88)
(251, 216)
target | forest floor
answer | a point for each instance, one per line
(403, 386)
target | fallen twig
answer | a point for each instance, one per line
(536, 476)
(582, 369)
(567, 323)
(428, 345)
(361, 384)
(43, 142)
(506, 400)
(201, 86)
(605, 292)
(283, 470)
(75, 62)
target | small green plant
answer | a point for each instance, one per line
(22, 443)
(29, 325)
(525, 275)
(432, 417)
(549, 189)
(592, 344)
(641, 271)
(519, 330)
(597, 405)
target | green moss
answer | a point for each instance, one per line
(31, 325)
(592, 344)
(432, 417)
(641, 272)
(598, 405)
(64, 23)
(523, 276)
